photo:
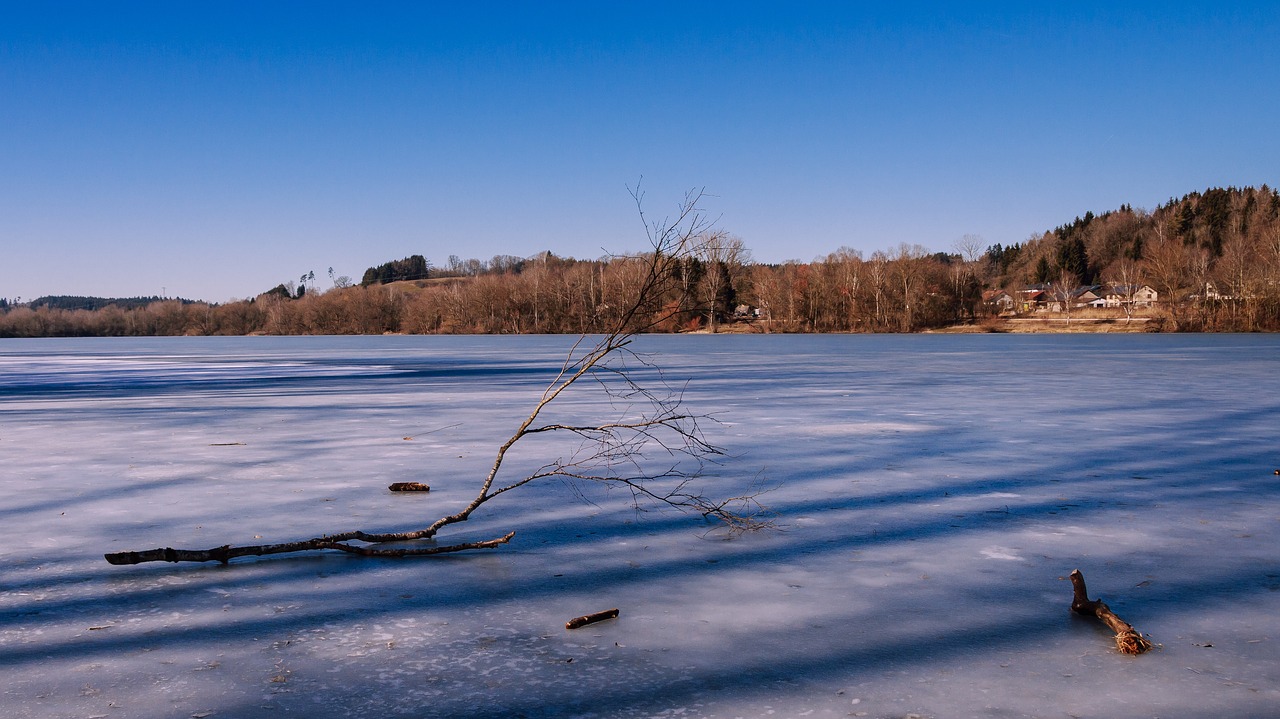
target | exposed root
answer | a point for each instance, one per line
(1128, 639)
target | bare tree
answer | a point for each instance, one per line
(1199, 264)
(908, 268)
(970, 247)
(655, 450)
(340, 282)
(1239, 273)
(1167, 262)
(722, 256)
(1063, 289)
(766, 284)
(846, 265)
(878, 275)
(964, 276)
(1125, 284)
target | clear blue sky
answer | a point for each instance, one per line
(215, 149)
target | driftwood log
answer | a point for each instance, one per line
(590, 619)
(341, 543)
(1128, 639)
(408, 487)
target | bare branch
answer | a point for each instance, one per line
(226, 553)
(650, 420)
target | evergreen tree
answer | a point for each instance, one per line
(1215, 211)
(1183, 222)
(1044, 271)
(726, 297)
(1073, 258)
(1135, 250)
(414, 267)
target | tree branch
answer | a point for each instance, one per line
(651, 418)
(226, 553)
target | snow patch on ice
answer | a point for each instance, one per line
(1000, 553)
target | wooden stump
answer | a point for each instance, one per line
(1128, 639)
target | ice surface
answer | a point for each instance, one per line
(933, 491)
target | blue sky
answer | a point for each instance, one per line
(212, 150)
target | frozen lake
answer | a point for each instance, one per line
(933, 494)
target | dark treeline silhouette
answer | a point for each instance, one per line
(1212, 257)
(67, 302)
(414, 267)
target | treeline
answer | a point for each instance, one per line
(414, 267)
(1213, 257)
(72, 302)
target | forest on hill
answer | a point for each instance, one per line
(1212, 259)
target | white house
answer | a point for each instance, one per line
(1133, 295)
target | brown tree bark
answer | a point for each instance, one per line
(586, 619)
(1128, 639)
(226, 553)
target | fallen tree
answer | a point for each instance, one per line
(619, 452)
(1128, 639)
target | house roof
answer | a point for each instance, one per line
(1128, 289)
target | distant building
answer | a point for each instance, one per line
(999, 301)
(1131, 295)
(1091, 296)
(1033, 298)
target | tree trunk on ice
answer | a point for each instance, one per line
(1128, 639)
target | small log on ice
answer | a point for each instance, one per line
(409, 487)
(1128, 639)
(590, 619)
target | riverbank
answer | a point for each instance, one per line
(1058, 325)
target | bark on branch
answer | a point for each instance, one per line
(584, 620)
(1128, 639)
(226, 553)
(408, 487)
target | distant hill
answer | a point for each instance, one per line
(70, 302)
